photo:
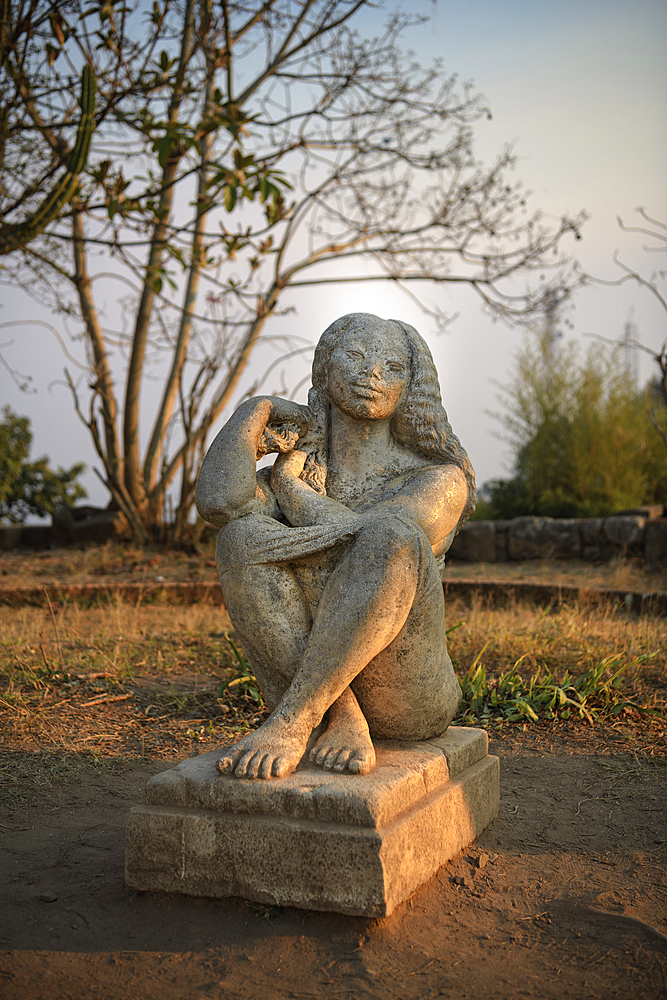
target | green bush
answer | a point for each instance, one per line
(583, 439)
(31, 487)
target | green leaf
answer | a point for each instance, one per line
(230, 197)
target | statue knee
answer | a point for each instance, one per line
(231, 543)
(391, 537)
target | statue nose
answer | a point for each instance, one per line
(373, 368)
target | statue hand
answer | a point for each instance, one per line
(286, 411)
(289, 464)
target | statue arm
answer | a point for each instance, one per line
(227, 485)
(433, 497)
(302, 505)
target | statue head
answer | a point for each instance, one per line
(419, 421)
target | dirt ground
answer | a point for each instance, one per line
(571, 903)
(564, 895)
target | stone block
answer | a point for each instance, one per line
(10, 536)
(624, 532)
(592, 531)
(88, 526)
(652, 512)
(476, 542)
(655, 542)
(36, 536)
(356, 844)
(544, 538)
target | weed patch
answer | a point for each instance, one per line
(595, 695)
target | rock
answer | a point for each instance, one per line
(88, 526)
(624, 531)
(10, 536)
(476, 542)
(483, 860)
(544, 538)
(651, 512)
(592, 531)
(502, 540)
(48, 897)
(35, 536)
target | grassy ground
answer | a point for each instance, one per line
(619, 574)
(120, 680)
(115, 563)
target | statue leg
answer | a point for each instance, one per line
(269, 613)
(366, 602)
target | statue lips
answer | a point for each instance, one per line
(367, 390)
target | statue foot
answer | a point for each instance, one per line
(345, 745)
(272, 751)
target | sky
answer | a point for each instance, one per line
(579, 89)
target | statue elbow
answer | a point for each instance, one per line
(210, 507)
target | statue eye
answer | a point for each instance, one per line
(395, 366)
(354, 354)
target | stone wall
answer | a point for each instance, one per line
(81, 526)
(594, 539)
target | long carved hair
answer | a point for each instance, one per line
(419, 423)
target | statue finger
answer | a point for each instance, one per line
(281, 766)
(322, 754)
(330, 759)
(254, 764)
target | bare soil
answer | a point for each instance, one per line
(572, 901)
(564, 895)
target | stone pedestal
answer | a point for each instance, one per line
(321, 841)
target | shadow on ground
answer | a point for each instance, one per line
(571, 902)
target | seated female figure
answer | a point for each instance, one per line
(328, 561)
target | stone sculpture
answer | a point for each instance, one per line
(328, 561)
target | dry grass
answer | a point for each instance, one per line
(114, 563)
(564, 637)
(618, 574)
(568, 638)
(110, 563)
(121, 681)
(82, 685)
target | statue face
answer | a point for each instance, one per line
(369, 371)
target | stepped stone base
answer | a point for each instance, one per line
(357, 844)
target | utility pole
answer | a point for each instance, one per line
(629, 342)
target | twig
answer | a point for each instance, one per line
(55, 625)
(46, 662)
(106, 698)
(593, 798)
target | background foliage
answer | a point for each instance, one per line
(243, 151)
(31, 487)
(582, 435)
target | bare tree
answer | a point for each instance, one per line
(241, 149)
(652, 284)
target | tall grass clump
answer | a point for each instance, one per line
(595, 695)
